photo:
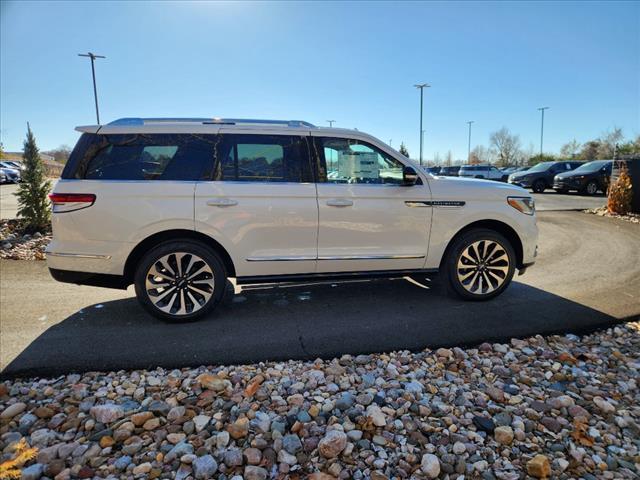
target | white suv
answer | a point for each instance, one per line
(177, 206)
(488, 172)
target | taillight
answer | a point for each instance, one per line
(68, 202)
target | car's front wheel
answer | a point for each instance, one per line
(591, 188)
(479, 265)
(180, 281)
(538, 186)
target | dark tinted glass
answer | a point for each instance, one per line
(141, 157)
(263, 158)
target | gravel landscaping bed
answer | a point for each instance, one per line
(559, 407)
(15, 244)
(604, 212)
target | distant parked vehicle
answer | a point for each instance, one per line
(10, 175)
(540, 177)
(433, 170)
(587, 178)
(488, 172)
(12, 164)
(449, 171)
(509, 170)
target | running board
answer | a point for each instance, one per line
(306, 277)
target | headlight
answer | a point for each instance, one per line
(525, 205)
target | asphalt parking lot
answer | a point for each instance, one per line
(587, 275)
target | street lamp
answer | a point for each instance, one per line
(421, 86)
(93, 57)
(469, 146)
(542, 109)
(331, 122)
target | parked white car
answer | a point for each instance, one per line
(9, 174)
(177, 206)
(487, 172)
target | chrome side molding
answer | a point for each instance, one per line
(79, 255)
(333, 257)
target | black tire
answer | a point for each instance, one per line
(204, 259)
(450, 272)
(591, 188)
(539, 186)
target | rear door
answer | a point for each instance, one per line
(143, 183)
(259, 202)
(368, 220)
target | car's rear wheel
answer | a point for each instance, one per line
(538, 186)
(479, 265)
(180, 281)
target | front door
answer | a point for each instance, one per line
(368, 220)
(260, 203)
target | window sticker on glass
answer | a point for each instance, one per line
(358, 165)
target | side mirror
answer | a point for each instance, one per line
(409, 176)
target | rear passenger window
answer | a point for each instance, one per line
(144, 157)
(263, 158)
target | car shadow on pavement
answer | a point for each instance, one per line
(298, 322)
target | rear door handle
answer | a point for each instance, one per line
(222, 202)
(339, 202)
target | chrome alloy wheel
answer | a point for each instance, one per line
(483, 267)
(179, 283)
(592, 188)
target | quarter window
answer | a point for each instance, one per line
(263, 158)
(143, 157)
(352, 161)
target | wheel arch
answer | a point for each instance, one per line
(169, 235)
(496, 225)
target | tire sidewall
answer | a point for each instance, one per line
(187, 246)
(459, 244)
(538, 186)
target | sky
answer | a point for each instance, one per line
(356, 63)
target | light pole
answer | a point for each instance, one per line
(93, 57)
(421, 86)
(331, 122)
(390, 140)
(469, 145)
(542, 109)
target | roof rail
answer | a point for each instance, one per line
(212, 121)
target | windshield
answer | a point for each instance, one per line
(591, 166)
(541, 167)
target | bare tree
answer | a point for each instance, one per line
(570, 150)
(448, 158)
(60, 154)
(608, 141)
(436, 158)
(479, 154)
(506, 145)
(589, 150)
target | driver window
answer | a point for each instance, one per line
(352, 161)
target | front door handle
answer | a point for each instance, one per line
(222, 202)
(339, 202)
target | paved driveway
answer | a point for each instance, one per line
(8, 201)
(588, 275)
(552, 201)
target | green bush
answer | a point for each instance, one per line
(33, 204)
